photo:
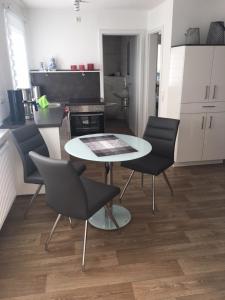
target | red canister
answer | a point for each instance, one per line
(90, 67)
(81, 67)
(73, 67)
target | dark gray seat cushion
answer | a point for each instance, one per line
(98, 194)
(149, 164)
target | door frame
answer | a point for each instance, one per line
(139, 34)
(150, 85)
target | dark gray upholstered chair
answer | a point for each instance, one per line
(72, 195)
(28, 138)
(161, 133)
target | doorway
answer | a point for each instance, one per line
(155, 71)
(120, 82)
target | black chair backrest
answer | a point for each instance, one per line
(28, 138)
(162, 133)
(64, 189)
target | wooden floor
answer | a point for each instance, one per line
(179, 254)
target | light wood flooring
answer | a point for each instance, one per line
(178, 254)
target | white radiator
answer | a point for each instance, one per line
(7, 181)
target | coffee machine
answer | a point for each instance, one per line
(30, 96)
(28, 104)
(17, 113)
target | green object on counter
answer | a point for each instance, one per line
(43, 101)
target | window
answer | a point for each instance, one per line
(15, 31)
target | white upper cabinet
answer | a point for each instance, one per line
(197, 73)
(217, 92)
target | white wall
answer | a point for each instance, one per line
(195, 13)
(55, 32)
(5, 75)
(160, 19)
(5, 72)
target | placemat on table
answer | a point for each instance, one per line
(107, 145)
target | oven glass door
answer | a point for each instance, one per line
(86, 123)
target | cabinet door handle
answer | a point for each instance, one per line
(210, 122)
(208, 106)
(203, 121)
(206, 91)
(214, 92)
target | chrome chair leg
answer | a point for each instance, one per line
(106, 172)
(71, 223)
(32, 200)
(84, 245)
(126, 185)
(153, 194)
(168, 183)
(142, 180)
(111, 216)
(52, 231)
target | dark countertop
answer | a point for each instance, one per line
(44, 118)
(53, 116)
(85, 101)
(49, 117)
(194, 45)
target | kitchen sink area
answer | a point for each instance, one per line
(54, 104)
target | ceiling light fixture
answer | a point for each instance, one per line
(77, 3)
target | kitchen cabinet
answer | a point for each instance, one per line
(196, 96)
(217, 90)
(56, 137)
(64, 135)
(198, 63)
(201, 137)
(203, 74)
(214, 142)
(190, 137)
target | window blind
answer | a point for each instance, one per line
(15, 32)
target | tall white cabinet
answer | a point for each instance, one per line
(196, 96)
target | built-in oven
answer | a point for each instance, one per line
(86, 119)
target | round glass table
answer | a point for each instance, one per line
(76, 147)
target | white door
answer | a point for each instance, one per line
(214, 144)
(190, 137)
(197, 73)
(218, 75)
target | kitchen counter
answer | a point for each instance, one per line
(49, 117)
(44, 118)
(85, 101)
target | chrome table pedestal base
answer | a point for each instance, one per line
(101, 220)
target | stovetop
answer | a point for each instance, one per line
(85, 101)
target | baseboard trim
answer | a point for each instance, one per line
(197, 163)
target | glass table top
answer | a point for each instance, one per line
(77, 148)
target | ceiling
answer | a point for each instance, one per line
(105, 4)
